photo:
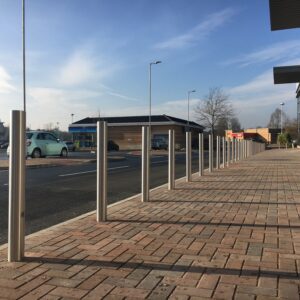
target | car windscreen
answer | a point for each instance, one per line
(29, 135)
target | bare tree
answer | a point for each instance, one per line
(235, 124)
(213, 108)
(275, 119)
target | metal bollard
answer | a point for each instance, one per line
(235, 150)
(16, 207)
(228, 152)
(171, 173)
(232, 151)
(224, 151)
(218, 153)
(188, 156)
(145, 164)
(210, 150)
(101, 171)
(201, 155)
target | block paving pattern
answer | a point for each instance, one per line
(231, 234)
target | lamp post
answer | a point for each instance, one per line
(150, 99)
(189, 92)
(72, 117)
(281, 121)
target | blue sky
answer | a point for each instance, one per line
(90, 57)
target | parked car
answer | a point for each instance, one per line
(42, 143)
(112, 146)
(70, 145)
(159, 144)
(4, 145)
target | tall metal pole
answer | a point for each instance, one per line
(150, 98)
(150, 104)
(24, 61)
(23, 142)
(188, 123)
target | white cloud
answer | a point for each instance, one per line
(255, 100)
(121, 96)
(276, 52)
(202, 30)
(52, 105)
(84, 67)
(78, 69)
(5, 85)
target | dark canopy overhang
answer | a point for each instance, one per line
(286, 74)
(284, 14)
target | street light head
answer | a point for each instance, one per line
(192, 91)
(158, 62)
(282, 103)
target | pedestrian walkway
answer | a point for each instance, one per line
(233, 233)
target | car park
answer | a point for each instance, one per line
(4, 145)
(43, 143)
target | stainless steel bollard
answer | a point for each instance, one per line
(224, 151)
(210, 150)
(101, 171)
(235, 150)
(16, 187)
(218, 153)
(171, 167)
(201, 155)
(188, 156)
(145, 164)
(232, 151)
(228, 152)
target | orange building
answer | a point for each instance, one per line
(265, 135)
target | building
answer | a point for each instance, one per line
(266, 135)
(126, 132)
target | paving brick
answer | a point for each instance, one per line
(233, 233)
(130, 292)
(68, 292)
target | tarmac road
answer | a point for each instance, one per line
(56, 194)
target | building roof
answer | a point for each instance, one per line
(286, 74)
(137, 120)
(284, 14)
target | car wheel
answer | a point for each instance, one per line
(36, 153)
(64, 152)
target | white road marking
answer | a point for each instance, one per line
(160, 161)
(92, 171)
(5, 184)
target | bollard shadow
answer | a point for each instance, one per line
(163, 267)
(234, 189)
(224, 202)
(206, 223)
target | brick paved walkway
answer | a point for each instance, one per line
(234, 233)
